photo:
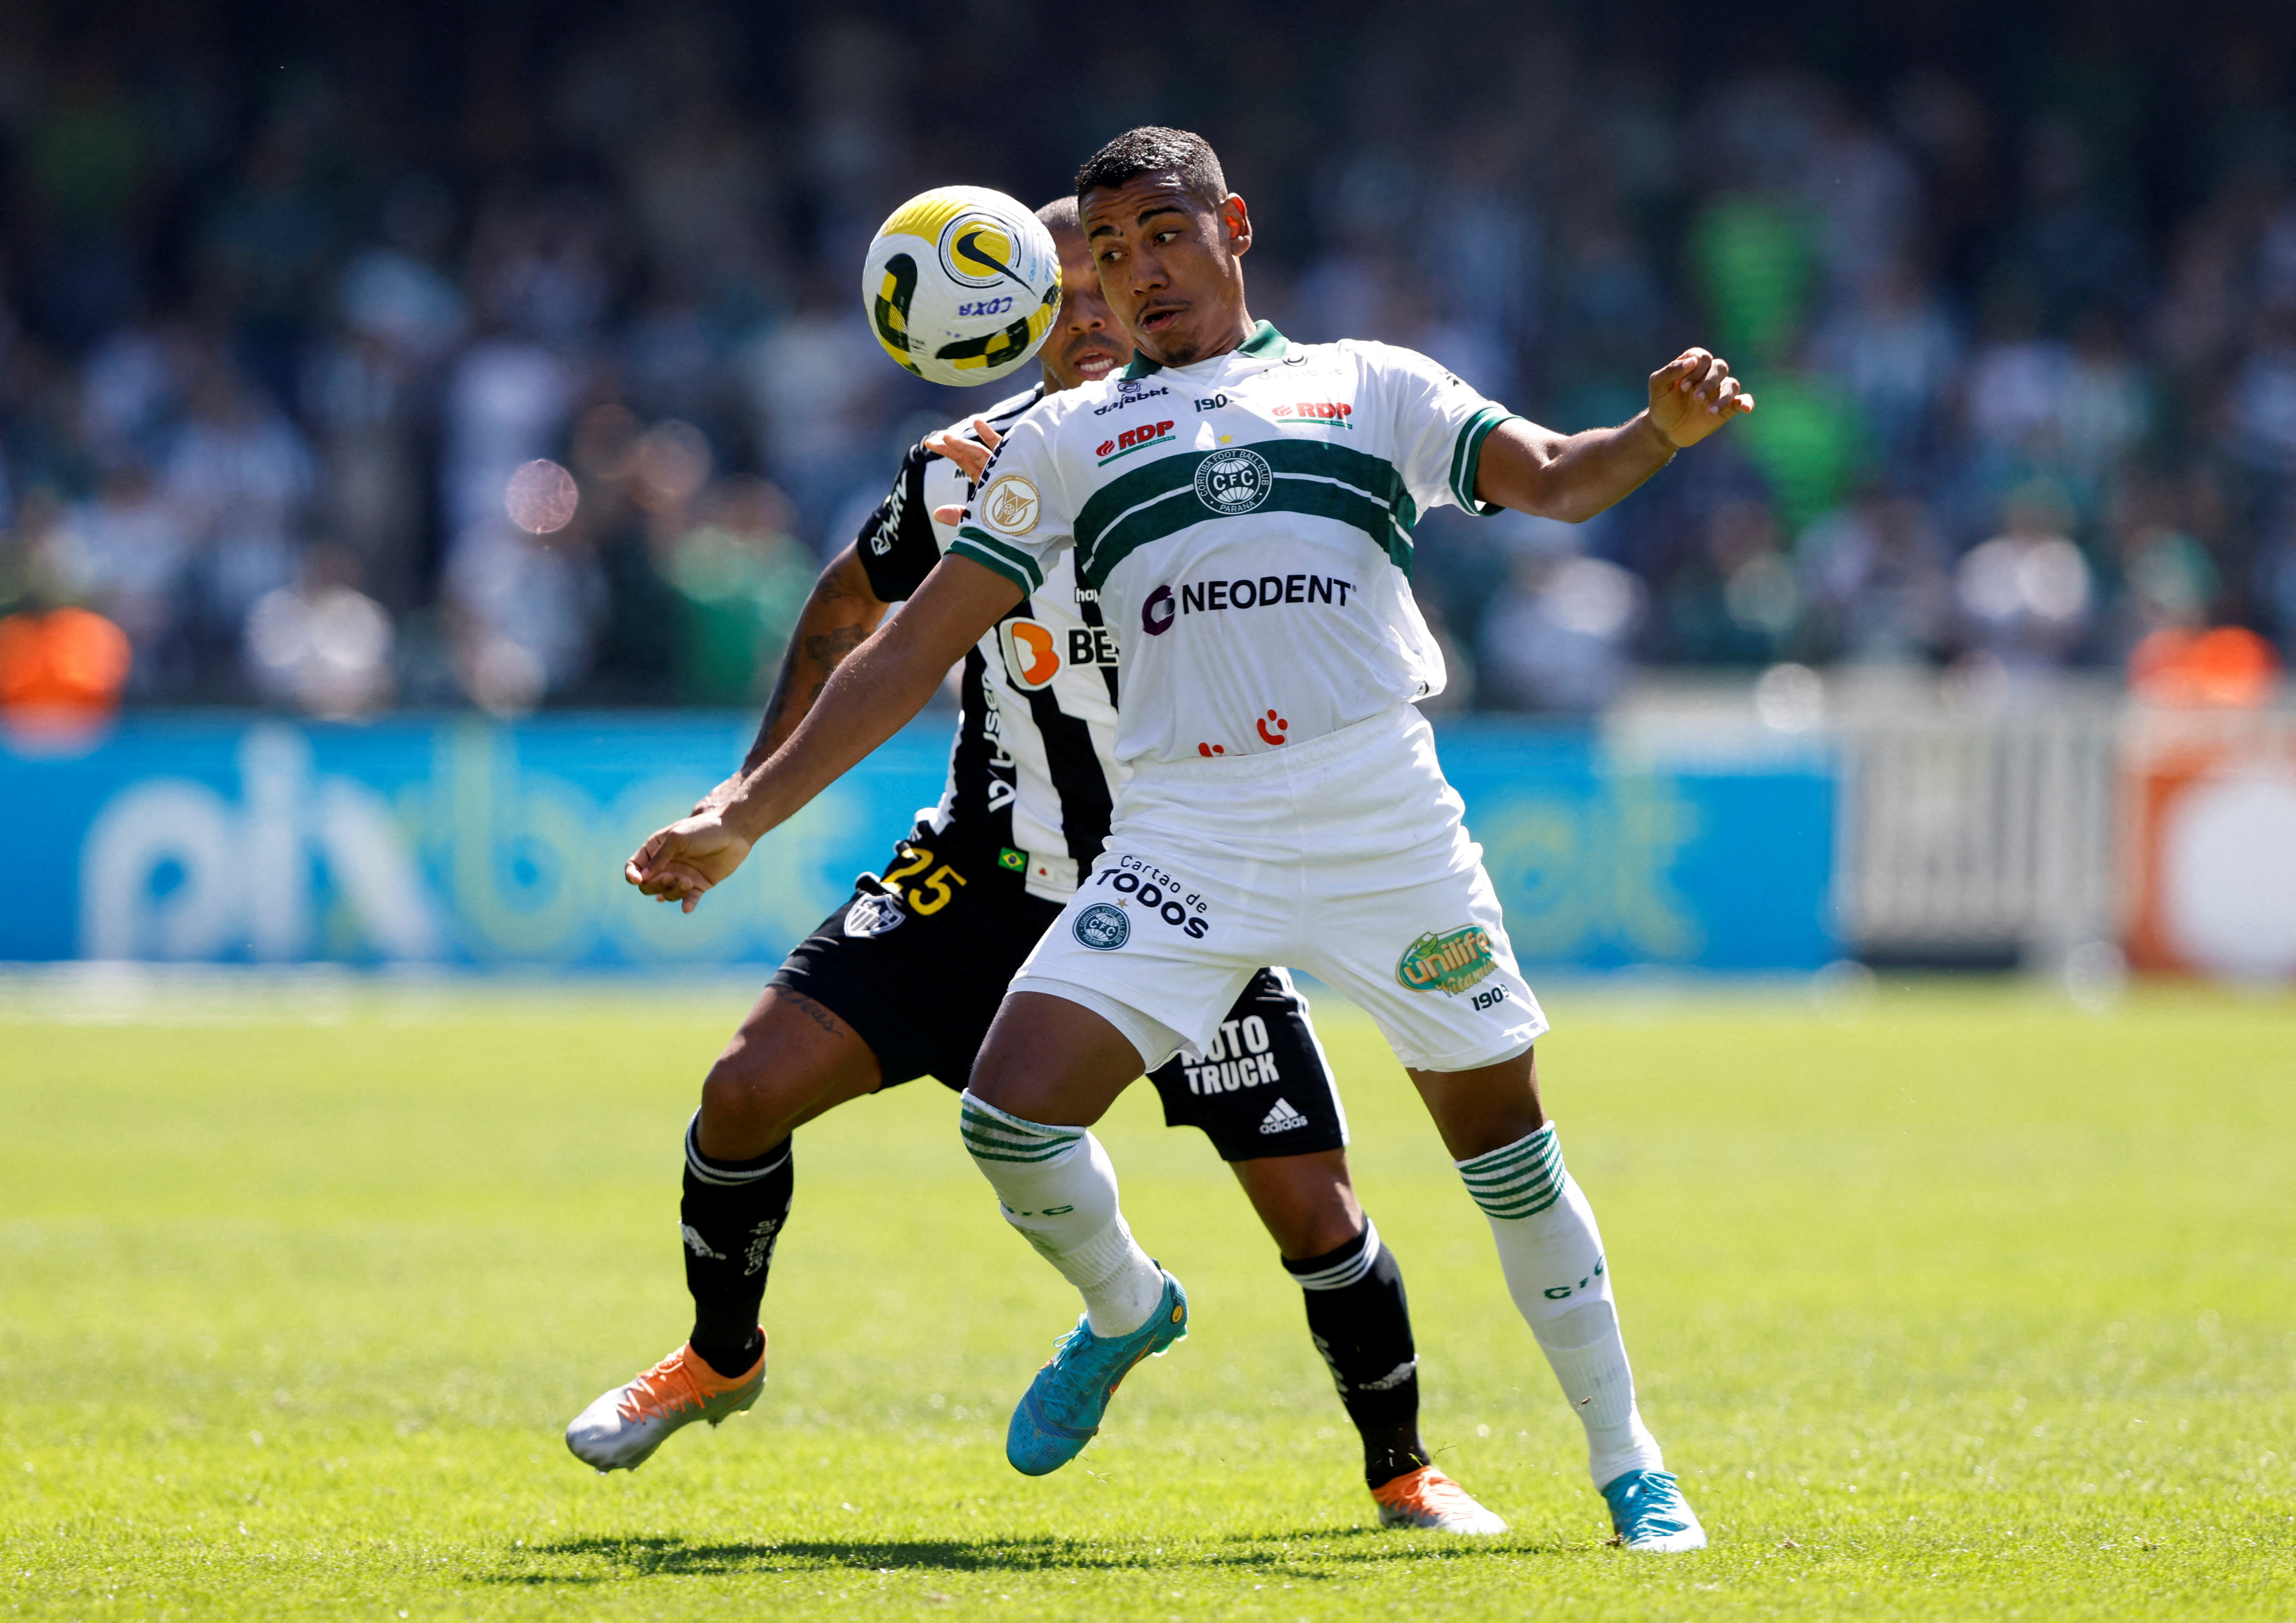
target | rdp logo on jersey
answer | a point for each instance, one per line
(1333, 413)
(1133, 439)
(1233, 483)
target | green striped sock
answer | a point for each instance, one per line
(1519, 1180)
(992, 1136)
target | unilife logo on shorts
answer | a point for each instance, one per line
(1450, 962)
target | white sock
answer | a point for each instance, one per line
(1552, 1254)
(1057, 1187)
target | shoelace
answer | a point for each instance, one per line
(654, 1392)
(1657, 1508)
(1433, 1494)
(1070, 1381)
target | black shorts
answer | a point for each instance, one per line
(917, 962)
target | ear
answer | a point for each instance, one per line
(1235, 217)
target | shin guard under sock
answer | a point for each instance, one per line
(731, 1217)
(1361, 1323)
(1551, 1253)
(1057, 1187)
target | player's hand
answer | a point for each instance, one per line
(1692, 395)
(970, 454)
(690, 856)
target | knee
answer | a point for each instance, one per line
(740, 1116)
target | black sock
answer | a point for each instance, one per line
(1361, 1324)
(732, 1214)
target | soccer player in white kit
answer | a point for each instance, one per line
(1243, 506)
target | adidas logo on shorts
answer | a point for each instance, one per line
(1282, 1119)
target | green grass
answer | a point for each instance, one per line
(1974, 1306)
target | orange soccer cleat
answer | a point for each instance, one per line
(1427, 1498)
(623, 1428)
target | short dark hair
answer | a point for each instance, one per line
(1152, 148)
(1059, 214)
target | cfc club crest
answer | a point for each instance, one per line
(1009, 504)
(1450, 961)
(1233, 482)
(1103, 928)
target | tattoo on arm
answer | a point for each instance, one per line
(813, 1011)
(828, 649)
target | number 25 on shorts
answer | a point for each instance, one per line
(930, 894)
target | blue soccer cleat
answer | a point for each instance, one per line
(1650, 1514)
(1060, 1411)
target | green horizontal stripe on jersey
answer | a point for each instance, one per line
(1310, 476)
(1467, 456)
(1007, 560)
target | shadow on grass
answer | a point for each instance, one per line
(610, 1560)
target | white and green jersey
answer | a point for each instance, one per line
(1246, 523)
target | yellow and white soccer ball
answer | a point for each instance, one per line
(961, 285)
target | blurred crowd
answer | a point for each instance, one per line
(283, 319)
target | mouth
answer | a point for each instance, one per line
(1161, 317)
(1092, 361)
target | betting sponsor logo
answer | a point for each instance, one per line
(1134, 439)
(1448, 961)
(1131, 391)
(873, 916)
(1010, 504)
(1315, 415)
(1158, 896)
(1233, 483)
(1103, 928)
(1033, 653)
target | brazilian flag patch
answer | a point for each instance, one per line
(1018, 861)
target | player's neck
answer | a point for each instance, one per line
(1233, 338)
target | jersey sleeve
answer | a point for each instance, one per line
(1019, 523)
(897, 545)
(1439, 425)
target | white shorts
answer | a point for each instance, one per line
(1344, 855)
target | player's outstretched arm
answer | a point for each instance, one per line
(838, 618)
(883, 682)
(1573, 477)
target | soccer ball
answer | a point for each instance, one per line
(961, 285)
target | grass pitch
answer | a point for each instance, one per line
(1963, 1305)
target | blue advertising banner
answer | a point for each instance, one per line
(228, 839)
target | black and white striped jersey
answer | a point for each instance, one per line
(1032, 772)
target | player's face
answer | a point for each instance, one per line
(1087, 344)
(1168, 265)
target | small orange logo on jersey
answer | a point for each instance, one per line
(1031, 656)
(1281, 727)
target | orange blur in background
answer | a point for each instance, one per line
(65, 668)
